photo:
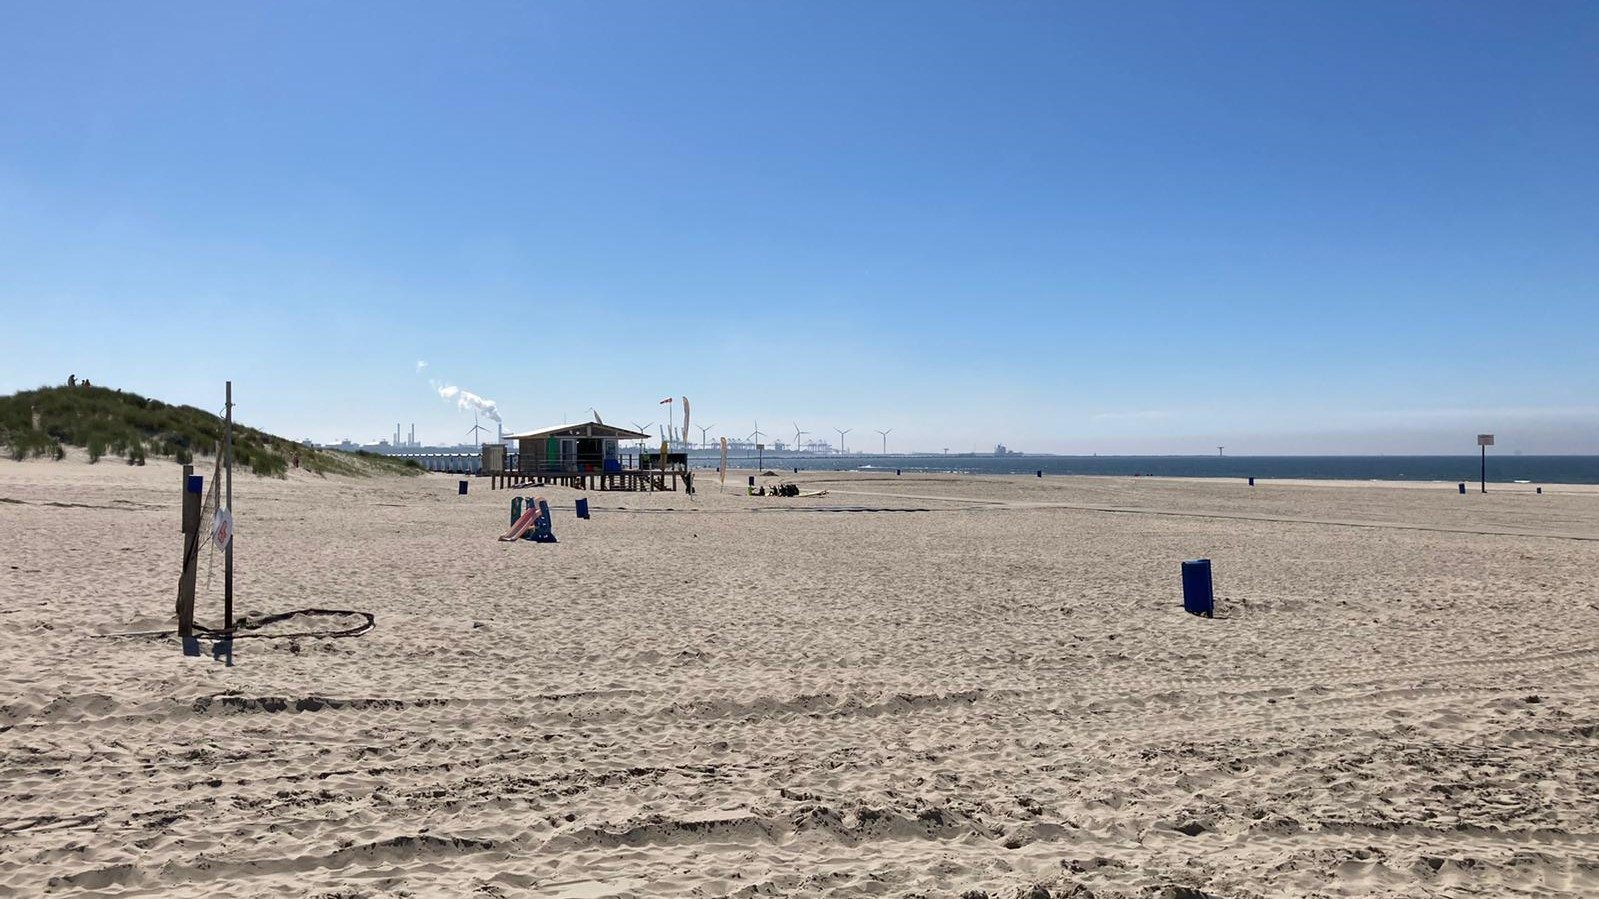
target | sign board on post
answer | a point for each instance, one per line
(1483, 442)
(222, 528)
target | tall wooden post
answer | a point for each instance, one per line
(227, 571)
(192, 485)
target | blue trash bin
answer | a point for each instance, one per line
(461, 488)
(583, 508)
(1198, 597)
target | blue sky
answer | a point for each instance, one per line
(1077, 227)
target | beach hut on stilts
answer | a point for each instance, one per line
(588, 456)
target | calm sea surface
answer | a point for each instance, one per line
(1501, 469)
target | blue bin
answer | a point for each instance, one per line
(583, 508)
(1462, 488)
(1251, 482)
(461, 488)
(195, 483)
(1198, 598)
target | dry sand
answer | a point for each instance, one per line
(976, 684)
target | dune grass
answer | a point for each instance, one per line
(43, 422)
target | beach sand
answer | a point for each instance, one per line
(915, 686)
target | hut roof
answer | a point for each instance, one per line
(581, 429)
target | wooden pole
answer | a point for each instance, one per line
(191, 560)
(227, 571)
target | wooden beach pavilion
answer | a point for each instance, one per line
(587, 456)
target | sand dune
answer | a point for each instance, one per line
(724, 695)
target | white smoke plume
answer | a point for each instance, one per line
(470, 402)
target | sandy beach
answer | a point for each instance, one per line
(911, 686)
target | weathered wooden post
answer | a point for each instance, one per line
(193, 485)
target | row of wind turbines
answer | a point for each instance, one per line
(673, 435)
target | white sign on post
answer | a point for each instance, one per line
(1485, 440)
(222, 528)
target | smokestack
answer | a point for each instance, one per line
(413, 434)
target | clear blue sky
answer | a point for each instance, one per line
(1111, 227)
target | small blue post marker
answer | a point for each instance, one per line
(196, 484)
(752, 480)
(1540, 491)
(583, 507)
(1251, 482)
(1041, 472)
(1462, 487)
(1198, 598)
(897, 472)
(460, 489)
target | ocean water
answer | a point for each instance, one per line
(1501, 469)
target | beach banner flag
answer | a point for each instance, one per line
(685, 420)
(724, 461)
(663, 455)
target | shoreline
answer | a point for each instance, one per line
(1471, 486)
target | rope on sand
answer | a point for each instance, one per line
(246, 624)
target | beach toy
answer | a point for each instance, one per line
(461, 489)
(519, 527)
(1198, 597)
(583, 508)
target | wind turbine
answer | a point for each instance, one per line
(645, 430)
(704, 429)
(760, 451)
(797, 435)
(841, 439)
(1221, 450)
(476, 428)
(885, 439)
